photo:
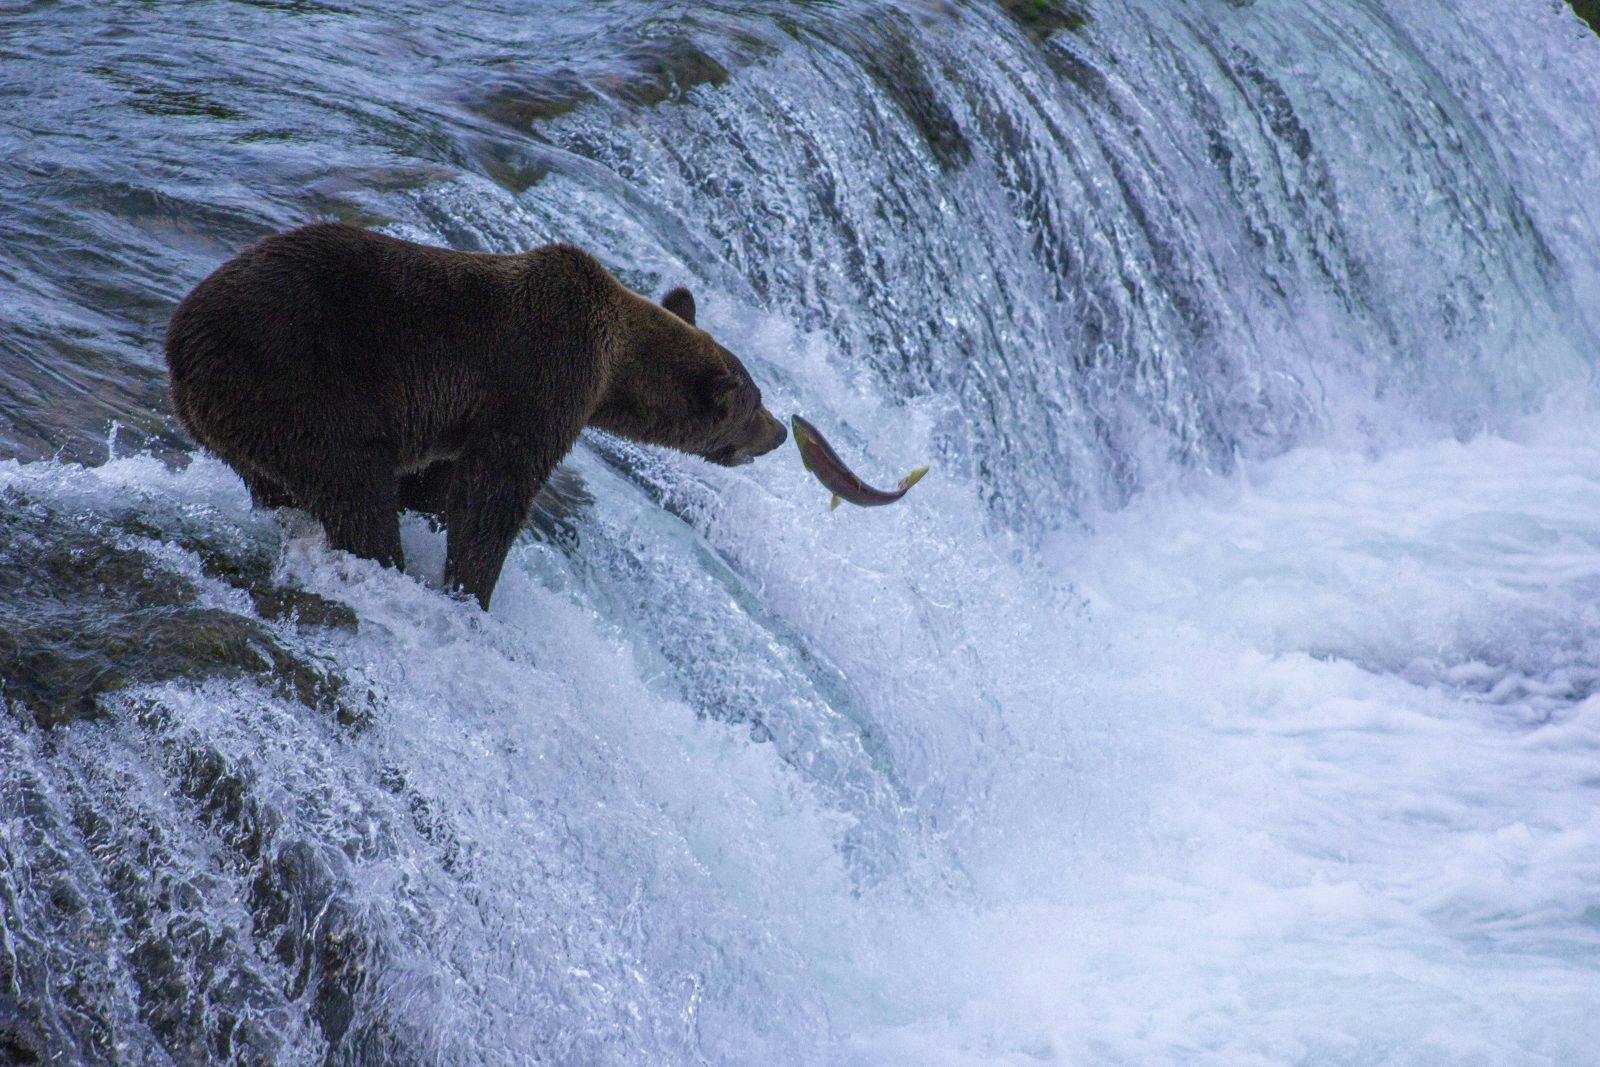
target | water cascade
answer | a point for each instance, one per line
(1226, 694)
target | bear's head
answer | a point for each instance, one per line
(673, 385)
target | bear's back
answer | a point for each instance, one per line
(331, 324)
(334, 292)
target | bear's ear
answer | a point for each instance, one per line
(681, 303)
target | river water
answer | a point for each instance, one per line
(1229, 693)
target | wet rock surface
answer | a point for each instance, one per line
(86, 611)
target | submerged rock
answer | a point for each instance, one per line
(1041, 18)
(83, 614)
(649, 73)
(1588, 11)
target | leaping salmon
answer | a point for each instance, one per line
(821, 460)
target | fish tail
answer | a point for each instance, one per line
(913, 478)
(833, 504)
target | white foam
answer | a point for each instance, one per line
(1295, 765)
(1373, 835)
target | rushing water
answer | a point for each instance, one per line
(1230, 692)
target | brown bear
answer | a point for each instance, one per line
(353, 374)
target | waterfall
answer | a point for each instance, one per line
(1225, 694)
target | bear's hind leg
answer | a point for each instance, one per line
(355, 502)
(266, 493)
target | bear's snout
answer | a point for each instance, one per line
(773, 434)
(759, 436)
(770, 433)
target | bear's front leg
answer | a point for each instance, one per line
(491, 492)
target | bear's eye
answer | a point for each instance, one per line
(723, 394)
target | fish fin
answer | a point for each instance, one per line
(835, 502)
(913, 478)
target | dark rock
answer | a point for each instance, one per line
(1588, 11)
(82, 616)
(894, 62)
(20, 1040)
(651, 73)
(1041, 18)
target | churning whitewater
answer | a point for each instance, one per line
(1228, 693)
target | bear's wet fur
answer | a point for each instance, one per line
(353, 374)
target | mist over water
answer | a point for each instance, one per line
(1226, 693)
